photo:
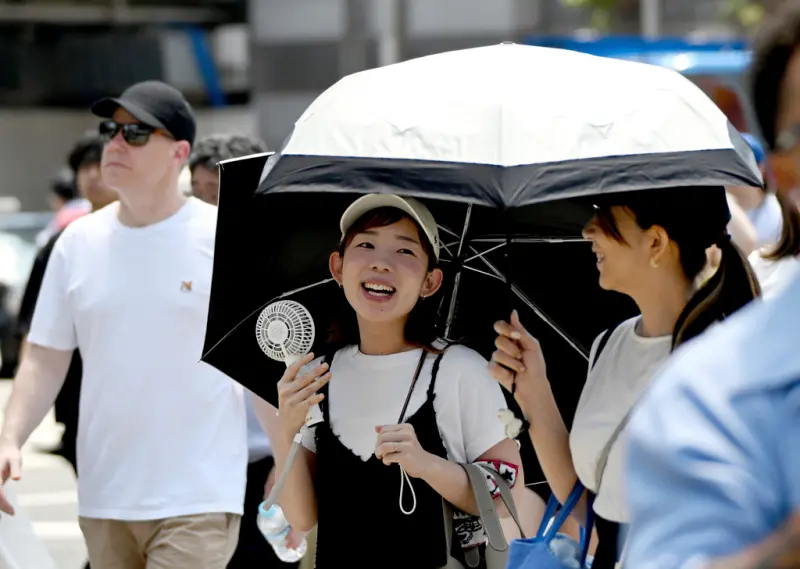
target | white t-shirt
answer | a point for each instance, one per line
(767, 219)
(368, 391)
(772, 275)
(160, 433)
(258, 445)
(622, 372)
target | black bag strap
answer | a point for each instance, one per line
(602, 344)
(323, 405)
(435, 373)
(328, 359)
(421, 362)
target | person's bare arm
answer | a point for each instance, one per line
(520, 352)
(39, 379)
(451, 482)
(36, 386)
(297, 498)
(781, 550)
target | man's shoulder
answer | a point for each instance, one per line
(88, 225)
(201, 211)
(201, 218)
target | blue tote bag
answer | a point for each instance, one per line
(535, 553)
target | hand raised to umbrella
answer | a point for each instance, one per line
(296, 395)
(518, 362)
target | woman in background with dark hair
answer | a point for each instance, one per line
(208, 152)
(650, 246)
(777, 265)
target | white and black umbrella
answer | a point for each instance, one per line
(494, 140)
(510, 125)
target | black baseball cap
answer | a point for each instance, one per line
(155, 104)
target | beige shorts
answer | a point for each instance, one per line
(202, 541)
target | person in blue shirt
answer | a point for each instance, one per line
(714, 447)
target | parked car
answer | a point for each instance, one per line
(18, 249)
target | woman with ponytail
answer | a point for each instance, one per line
(650, 246)
(776, 266)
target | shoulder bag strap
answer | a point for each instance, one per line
(601, 464)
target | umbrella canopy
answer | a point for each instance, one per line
(511, 125)
(509, 146)
(276, 245)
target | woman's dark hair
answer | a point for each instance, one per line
(87, 150)
(421, 326)
(63, 185)
(773, 48)
(695, 219)
(213, 149)
(789, 243)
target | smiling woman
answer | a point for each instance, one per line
(401, 408)
(388, 295)
(649, 246)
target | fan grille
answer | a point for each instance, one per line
(285, 329)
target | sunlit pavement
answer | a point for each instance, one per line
(47, 493)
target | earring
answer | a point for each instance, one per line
(653, 263)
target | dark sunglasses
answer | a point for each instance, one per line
(135, 134)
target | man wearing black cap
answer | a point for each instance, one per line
(162, 438)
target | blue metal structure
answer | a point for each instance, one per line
(729, 58)
(207, 66)
(719, 63)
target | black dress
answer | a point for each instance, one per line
(360, 523)
(608, 543)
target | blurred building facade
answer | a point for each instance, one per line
(250, 66)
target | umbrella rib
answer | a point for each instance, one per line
(463, 240)
(451, 312)
(303, 288)
(479, 255)
(496, 273)
(246, 318)
(446, 246)
(538, 311)
(529, 240)
(484, 273)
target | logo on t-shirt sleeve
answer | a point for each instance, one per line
(186, 286)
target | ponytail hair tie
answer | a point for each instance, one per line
(723, 239)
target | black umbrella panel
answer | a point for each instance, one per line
(274, 246)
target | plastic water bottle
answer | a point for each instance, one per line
(275, 528)
(566, 550)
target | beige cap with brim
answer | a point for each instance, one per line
(415, 209)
